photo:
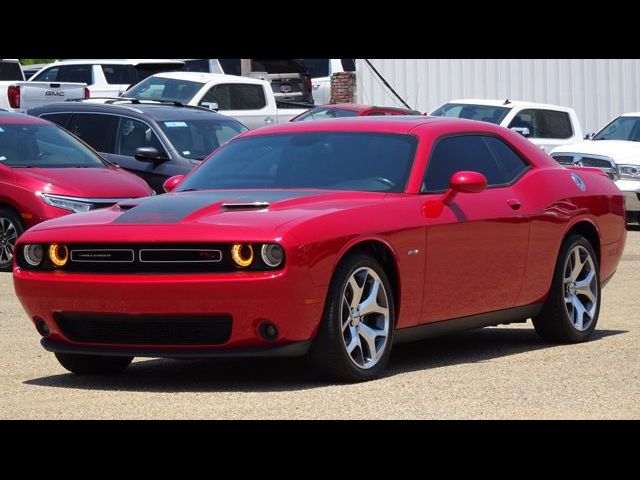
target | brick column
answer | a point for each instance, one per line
(343, 86)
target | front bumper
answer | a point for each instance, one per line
(286, 299)
(631, 192)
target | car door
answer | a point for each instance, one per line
(547, 128)
(476, 246)
(246, 102)
(132, 134)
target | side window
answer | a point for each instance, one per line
(231, 66)
(544, 123)
(77, 73)
(49, 75)
(554, 124)
(95, 129)
(61, 119)
(510, 163)
(133, 134)
(462, 152)
(236, 96)
(118, 74)
(348, 64)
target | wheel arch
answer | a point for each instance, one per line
(588, 230)
(383, 253)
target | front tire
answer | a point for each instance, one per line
(355, 335)
(571, 311)
(93, 364)
(10, 229)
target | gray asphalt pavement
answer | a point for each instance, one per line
(495, 373)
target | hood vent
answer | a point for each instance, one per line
(126, 206)
(245, 206)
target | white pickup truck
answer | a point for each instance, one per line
(248, 100)
(616, 150)
(18, 95)
(547, 126)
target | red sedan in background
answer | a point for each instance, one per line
(336, 239)
(342, 110)
(45, 172)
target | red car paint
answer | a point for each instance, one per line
(19, 186)
(478, 254)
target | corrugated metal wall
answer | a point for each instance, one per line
(598, 89)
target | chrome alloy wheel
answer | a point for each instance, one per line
(8, 237)
(365, 317)
(580, 285)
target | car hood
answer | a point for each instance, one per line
(221, 215)
(620, 150)
(84, 182)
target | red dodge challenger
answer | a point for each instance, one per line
(335, 239)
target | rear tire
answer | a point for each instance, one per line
(93, 364)
(571, 311)
(355, 335)
(10, 229)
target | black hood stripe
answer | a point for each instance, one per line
(173, 208)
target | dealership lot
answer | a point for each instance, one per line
(502, 372)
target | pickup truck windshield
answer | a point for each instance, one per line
(622, 128)
(43, 146)
(483, 113)
(196, 139)
(159, 88)
(360, 161)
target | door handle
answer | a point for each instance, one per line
(514, 203)
(268, 120)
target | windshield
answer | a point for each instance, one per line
(195, 139)
(362, 161)
(483, 113)
(622, 128)
(160, 88)
(325, 113)
(44, 146)
(144, 70)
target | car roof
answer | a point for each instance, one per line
(20, 119)
(154, 111)
(204, 77)
(631, 114)
(378, 124)
(117, 61)
(506, 103)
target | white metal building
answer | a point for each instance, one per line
(598, 89)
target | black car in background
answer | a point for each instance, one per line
(154, 140)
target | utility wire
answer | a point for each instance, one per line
(387, 84)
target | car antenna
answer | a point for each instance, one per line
(507, 102)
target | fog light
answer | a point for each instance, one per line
(42, 327)
(242, 254)
(272, 254)
(268, 331)
(33, 254)
(59, 254)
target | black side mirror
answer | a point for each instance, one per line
(149, 154)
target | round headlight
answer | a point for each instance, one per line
(242, 254)
(33, 254)
(58, 254)
(272, 254)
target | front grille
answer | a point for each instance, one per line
(606, 164)
(145, 329)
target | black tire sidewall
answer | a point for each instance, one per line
(566, 325)
(331, 331)
(13, 217)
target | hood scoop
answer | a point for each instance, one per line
(234, 206)
(126, 206)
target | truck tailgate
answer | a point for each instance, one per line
(35, 94)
